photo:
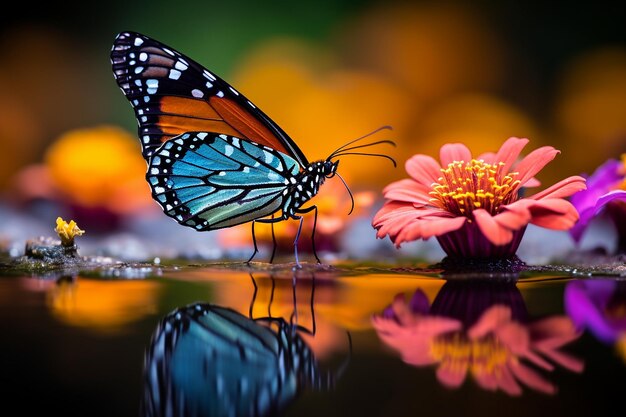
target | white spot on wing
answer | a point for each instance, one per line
(220, 94)
(138, 41)
(180, 66)
(143, 56)
(197, 93)
(174, 74)
(228, 150)
(234, 91)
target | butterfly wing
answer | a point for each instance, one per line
(207, 360)
(208, 181)
(172, 94)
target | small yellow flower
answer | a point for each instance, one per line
(67, 231)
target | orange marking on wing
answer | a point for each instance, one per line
(242, 121)
(188, 107)
(178, 125)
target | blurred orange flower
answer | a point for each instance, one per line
(100, 166)
(591, 108)
(323, 105)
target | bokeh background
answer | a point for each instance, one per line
(327, 72)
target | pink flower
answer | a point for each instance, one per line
(474, 206)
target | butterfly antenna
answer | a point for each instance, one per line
(393, 161)
(349, 192)
(366, 145)
(373, 132)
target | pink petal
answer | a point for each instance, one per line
(494, 231)
(534, 162)
(513, 217)
(509, 151)
(531, 183)
(508, 383)
(408, 190)
(531, 378)
(425, 228)
(491, 319)
(390, 210)
(486, 380)
(563, 359)
(423, 169)
(554, 213)
(515, 337)
(454, 152)
(488, 157)
(452, 376)
(538, 360)
(403, 222)
(554, 328)
(393, 221)
(563, 188)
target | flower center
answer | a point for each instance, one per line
(484, 356)
(465, 186)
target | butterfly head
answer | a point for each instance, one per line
(329, 168)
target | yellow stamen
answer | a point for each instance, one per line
(465, 186)
(484, 356)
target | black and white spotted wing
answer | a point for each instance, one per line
(172, 94)
(208, 181)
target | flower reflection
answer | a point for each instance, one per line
(102, 306)
(600, 307)
(480, 328)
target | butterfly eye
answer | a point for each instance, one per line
(330, 168)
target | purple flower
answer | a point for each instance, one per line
(604, 193)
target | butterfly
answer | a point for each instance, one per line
(215, 160)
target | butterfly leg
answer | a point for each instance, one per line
(273, 242)
(256, 249)
(270, 221)
(307, 210)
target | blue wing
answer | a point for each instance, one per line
(206, 360)
(209, 181)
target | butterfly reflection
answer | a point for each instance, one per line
(481, 329)
(209, 360)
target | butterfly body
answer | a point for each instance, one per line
(215, 160)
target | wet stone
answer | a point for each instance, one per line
(51, 250)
